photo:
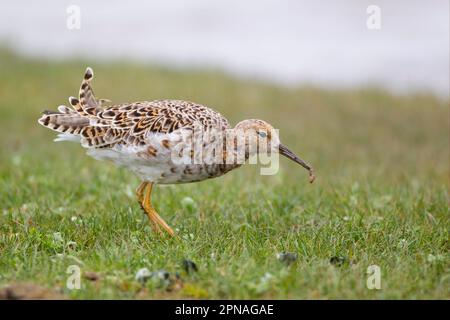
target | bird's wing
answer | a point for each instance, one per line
(129, 123)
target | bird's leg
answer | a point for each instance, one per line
(154, 217)
(140, 192)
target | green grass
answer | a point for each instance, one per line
(381, 194)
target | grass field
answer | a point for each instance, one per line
(380, 198)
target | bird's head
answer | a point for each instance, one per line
(261, 137)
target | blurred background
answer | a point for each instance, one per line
(348, 96)
(324, 43)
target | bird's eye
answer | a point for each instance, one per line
(262, 134)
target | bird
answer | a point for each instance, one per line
(162, 141)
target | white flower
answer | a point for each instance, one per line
(16, 160)
(403, 243)
(435, 258)
(57, 237)
(189, 204)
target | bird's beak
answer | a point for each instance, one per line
(289, 154)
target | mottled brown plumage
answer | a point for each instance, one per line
(150, 137)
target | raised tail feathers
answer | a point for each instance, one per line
(88, 102)
(74, 123)
(68, 124)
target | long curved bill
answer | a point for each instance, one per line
(289, 154)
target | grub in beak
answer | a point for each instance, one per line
(289, 154)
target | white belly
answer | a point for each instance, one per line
(154, 162)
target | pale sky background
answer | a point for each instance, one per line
(292, 42)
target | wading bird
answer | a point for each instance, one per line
(151, 138)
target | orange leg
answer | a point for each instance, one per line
(145, 190)
(140, 192)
